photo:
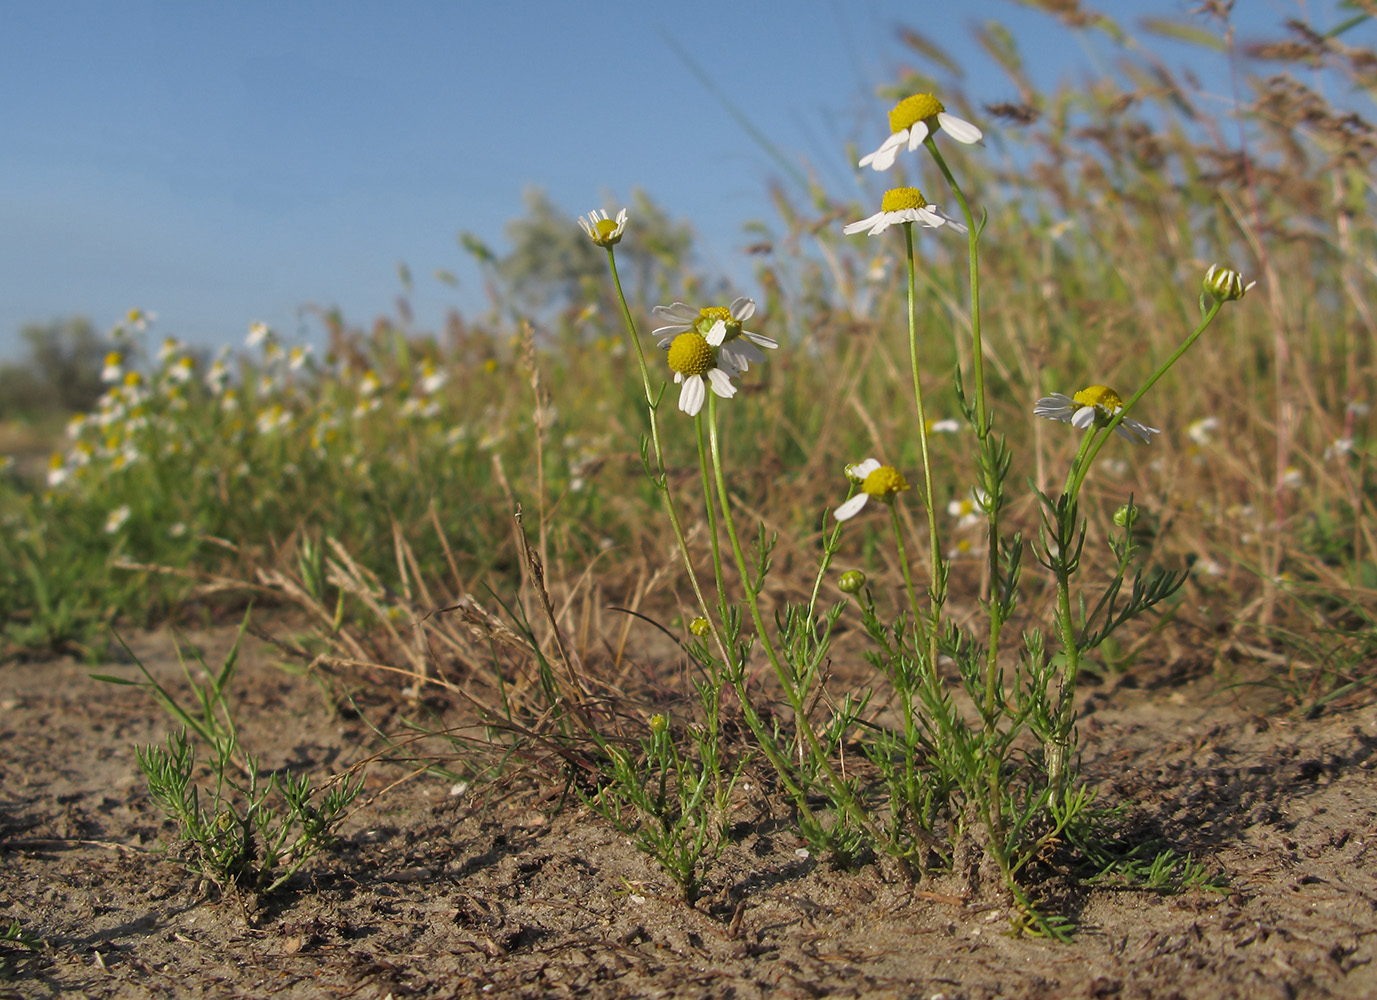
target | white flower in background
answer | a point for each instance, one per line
(601, 230)
(114, 521)
(139, 319)
(370, 383)
(911, 121)
(217, 376)
(297, 357)
(1358, 409)
(258, 332)
(969, 511)
(1340, 447)
(177, 530)
(432, 379)
(58, 473)
(1292, 478)
(1093, 405)
(76, 425)
(1200, 430)
(114, 368)
(875, 480)
(181, 370)
(697, 366)
(274, 418)
(948, 426)
(168, 349)
(899, 205)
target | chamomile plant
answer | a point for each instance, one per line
(973, 759)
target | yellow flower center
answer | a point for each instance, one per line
(884, 482)
(898, 199)
(912, 110)
(691, 354)
(112, 359)
(1099, 395)
(605, 228)
(708, 317)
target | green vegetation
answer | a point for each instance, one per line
(925, 713)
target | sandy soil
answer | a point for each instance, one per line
(437, 894)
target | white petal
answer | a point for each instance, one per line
(665, 341)
(916, 134)
(717, 334)
(740, 354)
(760, 339)
(958, 128)
(860, 470)
(883, 158)
(1084, 417)
(721, 383)
(691, 396)
(1136, 432)
(960, 227)
(742, 309)
(852, 507)
(856, 227)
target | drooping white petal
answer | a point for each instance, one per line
(740, 354)
(960, 227)
(1057, 406)
(917, 132)
(856, 227)
(722, 383)
(691, 396)
(760, 339)
(958, 128)
(742, 308)
(1084, 417)
(852, 507)
(1136, 432)
(717, 334)
(883, 158)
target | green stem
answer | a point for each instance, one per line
(993, 491)
(796, 701)
(935, 594)
(1118, 418)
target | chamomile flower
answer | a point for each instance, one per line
(114, 521)
(905, 204)
(601, 230)
(1093, 405)
(875, 480)
(114, 368)
(258, 332)
(722, 327)
(696, 366)
(969, 511)
(911, 121)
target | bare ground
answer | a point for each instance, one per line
(437, 894)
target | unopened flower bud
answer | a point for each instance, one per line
(699, 626)
(1225, 284)
(1125, 516)
(851, 581)
(658, 724)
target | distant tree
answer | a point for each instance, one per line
(61, 373)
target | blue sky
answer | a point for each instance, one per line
(224, 163)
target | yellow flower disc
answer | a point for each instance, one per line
(912, 110)
(884, 482)
(691, 355)
(898, 199)
(605, 228)
(1099, 395)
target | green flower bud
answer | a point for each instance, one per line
(700, 626)
(658, 724)
(851, 581)
(1125, 516)
(1224, 284)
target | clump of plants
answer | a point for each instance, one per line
(974, 762)
(237, 827)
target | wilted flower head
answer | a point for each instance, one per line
(875, 480)
(1095, 404)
